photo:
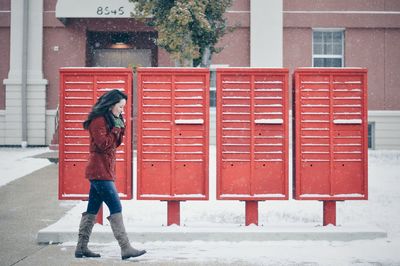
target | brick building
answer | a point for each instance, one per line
(37, 37)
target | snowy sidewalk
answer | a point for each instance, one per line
(380, 212)
(215, 220)
(217, 232)
(18, 162)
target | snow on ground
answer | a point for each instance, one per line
(18, 162)
(377, 252)
(382, 210)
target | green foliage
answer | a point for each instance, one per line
(187, 29)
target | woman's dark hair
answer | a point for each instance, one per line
(102, 108)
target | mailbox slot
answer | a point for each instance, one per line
(189, 121)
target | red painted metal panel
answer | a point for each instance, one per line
(252, 134)
(329, 210)
(330, 134)
(79, 90)
(173, 117)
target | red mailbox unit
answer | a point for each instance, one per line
(331, 136)
(79, 90)
(173, 119)
(252, 136)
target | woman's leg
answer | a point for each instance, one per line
(109, 195)
(86, 225)
(95, 198)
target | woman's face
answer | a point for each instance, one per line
(118, 107)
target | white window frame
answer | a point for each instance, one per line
(342, 30)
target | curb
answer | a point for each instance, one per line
(103, 234)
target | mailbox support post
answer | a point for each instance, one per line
(173, 136)
(251, 212)
(330, 136)
(252, 136)
(329, 212)
(174, 214)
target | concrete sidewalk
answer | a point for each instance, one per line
(64, 230)
(229, 233)
(30, 204)
(29, 207)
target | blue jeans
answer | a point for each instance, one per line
(103, 190)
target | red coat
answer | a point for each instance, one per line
(103, 145)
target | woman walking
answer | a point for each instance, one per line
(106, 128)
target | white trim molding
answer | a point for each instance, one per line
(266, 33)
(50, 125)
(2, 126)
(387, 129)
(94, 9)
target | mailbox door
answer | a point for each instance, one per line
(331, 134)
(252, 134)
(79, 90)
(173, 133)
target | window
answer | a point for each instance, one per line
(213, 87)
(328, 48)
(371, 135)
(213, 84)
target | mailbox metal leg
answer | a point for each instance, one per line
(174, 213)
(251, 212)
(329, 212)
(99, 218)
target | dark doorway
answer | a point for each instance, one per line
(121, 49)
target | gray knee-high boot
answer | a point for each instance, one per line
(118, 228)
(85, 230)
